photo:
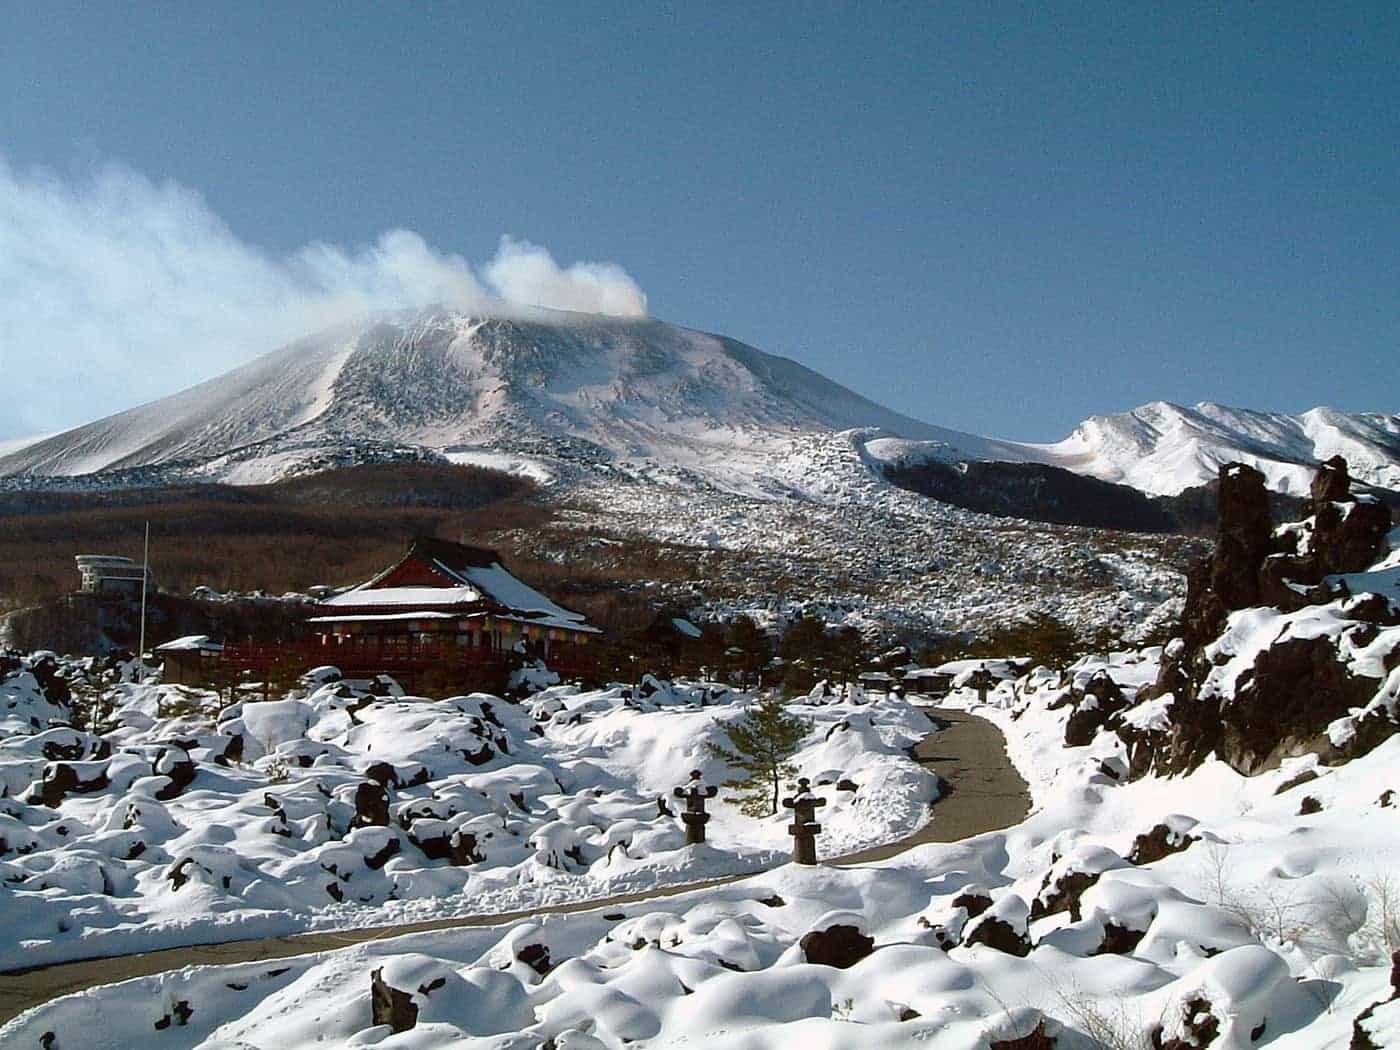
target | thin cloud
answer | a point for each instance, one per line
(118, 288)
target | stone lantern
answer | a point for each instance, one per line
(695, 818)
(804, 828)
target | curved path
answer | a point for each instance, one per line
(983, 792)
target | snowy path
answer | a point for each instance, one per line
(986, 791)
(969, 752)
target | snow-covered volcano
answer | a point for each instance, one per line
(551, 383)
(588, 389)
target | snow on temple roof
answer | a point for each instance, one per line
(191, 642)
(470, 575)
(412, 596)
(427, 614)
(500, 585)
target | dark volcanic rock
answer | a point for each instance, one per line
(457, 847)
(480, 756)
(391, 848)
(1097, 709)
(77, 747)
(1064, 895)
(1374, 609)
(1118, 940)
(371, 806)
(1305, 777)
(1199, 1027)
(999, 934)
(1331, 483)
(1158, 843)
(51, 683)
(974, 901)
(179, 1015)
(535, 956)
(61, 780)
(1347, 533)
(1282, 706)
(390, 1006)
(383, 774)
(1038, 1038)
(1229, 579)
(176, 764)
(178, 872)
(1360, 1030)
(841, 946)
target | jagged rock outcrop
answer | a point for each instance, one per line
(1229, 578)
(1297, 686)
(1096, 707)
(1347, 532)
(1283, 706)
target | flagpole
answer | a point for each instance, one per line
(145, 573)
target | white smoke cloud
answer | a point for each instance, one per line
(526, 273)
(116, 288)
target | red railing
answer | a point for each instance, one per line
(370, 659)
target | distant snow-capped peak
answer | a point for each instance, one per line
(1163, 448)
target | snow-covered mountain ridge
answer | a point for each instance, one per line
(1164, 448)
(582, 389)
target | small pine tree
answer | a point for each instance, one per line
(847, 654)
(749, 650)
(805, 639)
(764, 739)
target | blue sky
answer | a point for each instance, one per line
(997, 217)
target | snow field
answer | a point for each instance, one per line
(1251, 926)
(336, 809)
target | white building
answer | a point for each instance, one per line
(110, 575)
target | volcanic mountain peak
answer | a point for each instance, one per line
(436, 378)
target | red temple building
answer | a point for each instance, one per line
(444, 607)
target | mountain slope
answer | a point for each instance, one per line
(547, 380)
(586, 389)
(258, 401)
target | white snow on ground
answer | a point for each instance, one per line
(161, 838)
(1267, 926)
(888, 557)
(521, 466)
